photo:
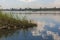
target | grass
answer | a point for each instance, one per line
(8, 21)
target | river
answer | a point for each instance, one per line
(48, 26)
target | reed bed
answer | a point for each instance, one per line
(7, 21)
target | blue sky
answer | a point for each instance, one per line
(29, 3)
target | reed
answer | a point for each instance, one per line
(7, 21)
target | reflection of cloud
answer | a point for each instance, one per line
(55, 18)
(52, 25)
(55, 36)
(49, 33)
(59, 28)
(36, 33)
(41, 27)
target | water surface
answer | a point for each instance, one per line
(48, 27)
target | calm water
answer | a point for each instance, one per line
(48, 27)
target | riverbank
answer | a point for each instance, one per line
(9, 22)
(32, 9)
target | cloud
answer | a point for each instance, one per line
(27, 0)
(56, 3)
(29, 3)
(2, 0)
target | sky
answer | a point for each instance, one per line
(29, 3)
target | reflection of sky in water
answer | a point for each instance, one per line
(48, 31)
(48, 28)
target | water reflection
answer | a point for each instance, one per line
(48, 28)
(5, 33)
(44, 31)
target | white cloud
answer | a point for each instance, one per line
(56, 3)
(32, 3)
(27, 0)
(2, 0)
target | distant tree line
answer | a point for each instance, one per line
(32, 9)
